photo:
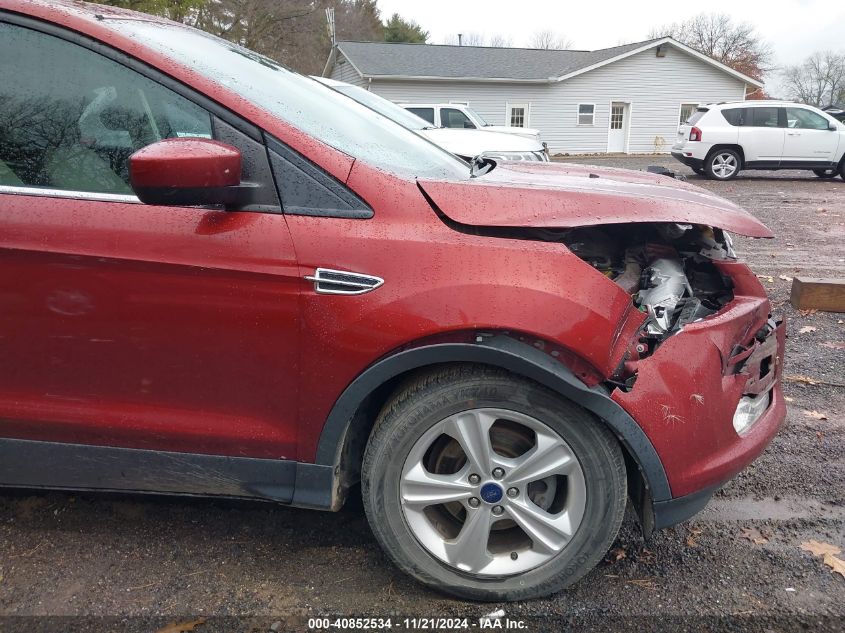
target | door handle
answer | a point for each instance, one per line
(793, 133)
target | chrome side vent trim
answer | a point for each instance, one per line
(339, 282)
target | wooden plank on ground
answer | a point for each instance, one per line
(820, 294)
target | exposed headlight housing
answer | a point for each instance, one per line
(749, 410)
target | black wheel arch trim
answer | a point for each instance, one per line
(723, 146)
(510, 354)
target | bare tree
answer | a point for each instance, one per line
(465, 39)
(501, 41)
(819, 80)
(737, 45)
(549, 40)
(292, 32)
(178, 10)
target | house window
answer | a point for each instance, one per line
(687, 110)
(517, 114)
(586, 113)
(617, 116)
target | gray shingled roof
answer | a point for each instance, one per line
(374, 59)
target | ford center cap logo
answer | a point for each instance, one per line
(491, 493)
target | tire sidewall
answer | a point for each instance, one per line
(605, 487)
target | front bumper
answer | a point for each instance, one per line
(678, 509)
(687, 392)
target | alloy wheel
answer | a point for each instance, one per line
(724, 165)
(492, 492)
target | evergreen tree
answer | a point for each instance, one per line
(397, 29)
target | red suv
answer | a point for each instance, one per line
(223, 278)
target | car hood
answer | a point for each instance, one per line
(555, 195)
(518, 131)
(475, 142)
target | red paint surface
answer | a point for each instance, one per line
(149, 327)
(554, 196)
(185, 163)
(685, 395)
(191, 330)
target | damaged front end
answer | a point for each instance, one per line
(682, 335)
(701, 377)
(667, 269)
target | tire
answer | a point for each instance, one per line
(588, 501)
(826, 173)
(723, 164)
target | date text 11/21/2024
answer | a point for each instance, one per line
(494, 621)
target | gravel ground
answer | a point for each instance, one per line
(118, 563)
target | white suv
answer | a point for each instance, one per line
(721, 139)
(458, 115)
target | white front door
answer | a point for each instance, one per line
(617, 135)
(808, 138)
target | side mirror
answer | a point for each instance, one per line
(188, 172)
(832, 127)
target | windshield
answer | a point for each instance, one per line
(384, 107)
(477, 117)
(302, 102)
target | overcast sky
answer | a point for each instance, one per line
(794, 28)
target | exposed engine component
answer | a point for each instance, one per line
(666, 268)
(664, 286)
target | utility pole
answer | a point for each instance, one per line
(330, 25)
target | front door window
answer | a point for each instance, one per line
(71, 118)
(799, 118)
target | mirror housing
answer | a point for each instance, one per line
(188, 172)
(832, 127)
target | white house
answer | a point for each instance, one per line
(627, 98)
